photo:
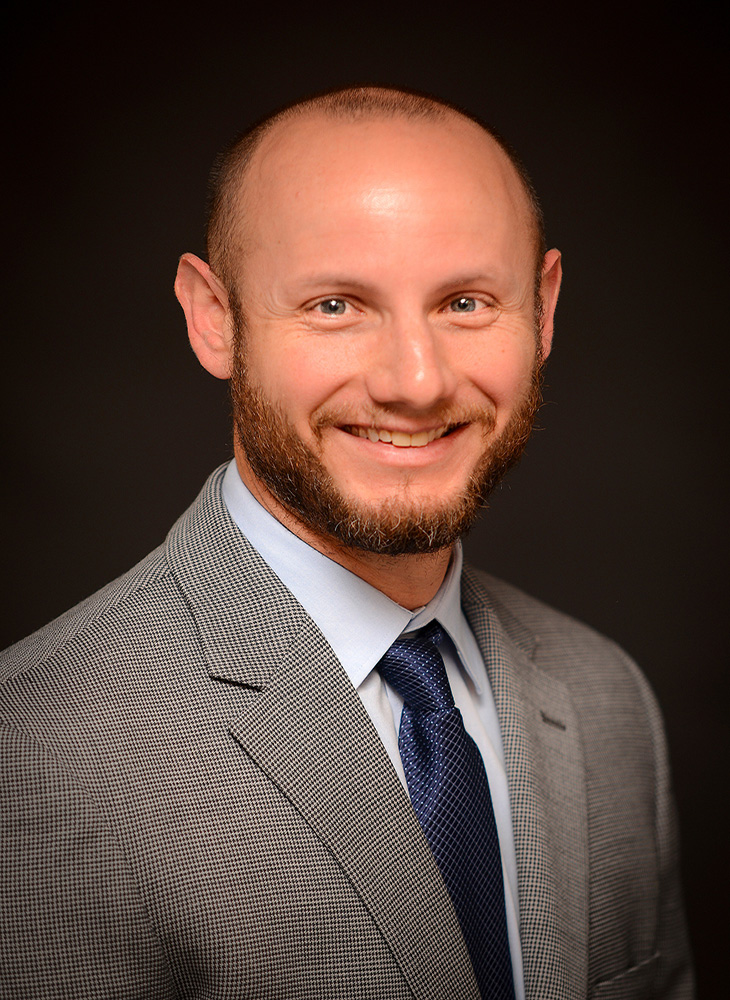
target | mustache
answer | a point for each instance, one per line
(450, 417)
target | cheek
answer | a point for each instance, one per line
(504, 372)
(298, 373)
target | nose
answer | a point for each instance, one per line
(412, 368)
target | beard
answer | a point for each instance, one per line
(298, 479)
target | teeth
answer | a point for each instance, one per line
(418, 440)
(398, 438)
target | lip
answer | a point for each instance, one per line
(385, 455)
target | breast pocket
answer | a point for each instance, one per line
(636, 983)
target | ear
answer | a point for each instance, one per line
(552, 275)
(205, 303)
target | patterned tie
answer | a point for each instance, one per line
(450, 794)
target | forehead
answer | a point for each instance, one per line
(317, 161)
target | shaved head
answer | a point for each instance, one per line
(226, 232)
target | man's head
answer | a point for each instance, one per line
(375, 306)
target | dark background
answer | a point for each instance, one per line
(614, 516)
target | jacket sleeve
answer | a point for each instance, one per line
(674, 977)
(72, 923)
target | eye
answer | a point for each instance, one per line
(465, 304)
(332, 307)
(334, 312)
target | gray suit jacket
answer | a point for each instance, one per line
(196, 803)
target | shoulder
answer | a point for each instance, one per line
(121, 617)
(88, 624)
(131, 627)
(103, 663)
(203, 600)
(600, 675)
(530, 620)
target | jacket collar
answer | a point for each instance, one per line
(238, 603)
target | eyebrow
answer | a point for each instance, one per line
(335, 280)
(331, 279)
(466, 280)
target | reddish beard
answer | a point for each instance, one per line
(298, 479)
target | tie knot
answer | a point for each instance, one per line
(414, 668)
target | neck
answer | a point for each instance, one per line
(409, 580)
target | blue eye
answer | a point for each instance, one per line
(463, 304)
(333, 307)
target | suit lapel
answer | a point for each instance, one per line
(546, 777)
(307, 730)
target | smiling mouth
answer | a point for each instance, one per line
(398, 438)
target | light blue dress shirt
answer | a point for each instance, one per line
(360, 623)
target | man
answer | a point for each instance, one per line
(225, 774)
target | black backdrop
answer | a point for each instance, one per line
(615, 513)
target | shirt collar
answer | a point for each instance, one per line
(358, 621)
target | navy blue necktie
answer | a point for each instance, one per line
(450, 795)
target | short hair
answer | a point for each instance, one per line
(351, 104)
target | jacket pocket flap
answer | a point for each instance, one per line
(633, 984)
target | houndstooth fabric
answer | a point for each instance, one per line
(450, 794)
(194, 803)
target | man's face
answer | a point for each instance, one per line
(386, 372)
